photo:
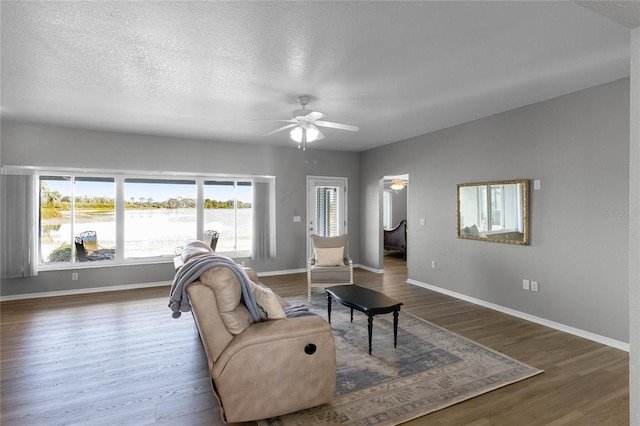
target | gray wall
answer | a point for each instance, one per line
(398, 203)
(399, 206)
(578, 146)
(42, 145)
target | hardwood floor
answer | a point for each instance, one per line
(119, 358)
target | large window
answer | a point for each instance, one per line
(55, 219)
(77, 219)
(228, 212)
(115, 219)
(159, 215)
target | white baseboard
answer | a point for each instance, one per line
(283, 272)
(304, 270)
(145, 285)
(552, 324)
(84, 291)
(122, 287)
(370, 269)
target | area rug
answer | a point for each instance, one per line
(430, 369)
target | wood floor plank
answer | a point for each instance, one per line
(120, 358)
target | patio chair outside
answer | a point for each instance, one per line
(212, 237)
(87, 248)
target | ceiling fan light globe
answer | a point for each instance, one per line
(312, 133)
(296, 134)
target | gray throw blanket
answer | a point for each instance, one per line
(296, 311)
(191, 271)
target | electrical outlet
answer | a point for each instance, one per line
(74, 276)
(525, 284)
(433, 264)
(534, 285)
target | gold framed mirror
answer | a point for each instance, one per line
(494, 211)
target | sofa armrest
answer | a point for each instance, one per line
(275, 332)
(294, 357)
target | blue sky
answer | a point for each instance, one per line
(148, 190)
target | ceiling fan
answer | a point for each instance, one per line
(305, 123)
(398, 184)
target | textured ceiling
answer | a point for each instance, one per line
(626, 13)
(207, 69)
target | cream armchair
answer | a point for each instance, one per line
(329, 263)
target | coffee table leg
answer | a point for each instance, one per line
(329, 307)
(370, 321)
(395, 328)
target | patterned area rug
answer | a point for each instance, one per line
(431, 369)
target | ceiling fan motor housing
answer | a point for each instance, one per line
(304, 100)
(299, 114)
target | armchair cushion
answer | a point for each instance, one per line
(331, 274)
(328, 242)
(329, 256)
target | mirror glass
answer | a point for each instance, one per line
(494, 211)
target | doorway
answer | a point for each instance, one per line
(394, 201)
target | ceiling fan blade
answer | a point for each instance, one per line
(340, 126)
(313, 116)
(273, 119)
(288, 126)
(320, 136)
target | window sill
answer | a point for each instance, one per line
(103, 264)
(127, 262)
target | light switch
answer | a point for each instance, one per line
(423, 222)
(537, 184)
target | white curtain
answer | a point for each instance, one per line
(264, 235)
(19, 225)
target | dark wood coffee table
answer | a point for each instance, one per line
(364, 300)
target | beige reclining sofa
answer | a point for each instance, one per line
(259, 369)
